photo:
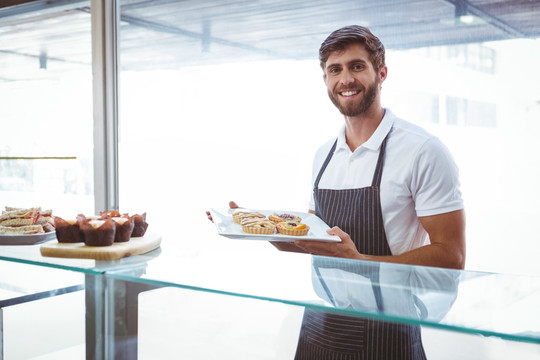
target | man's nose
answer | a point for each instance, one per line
(346, 77)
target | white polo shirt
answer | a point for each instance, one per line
(420, 177)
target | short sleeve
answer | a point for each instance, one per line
(435, 185)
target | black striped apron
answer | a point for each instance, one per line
(326, 335)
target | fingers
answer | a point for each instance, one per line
(232, 205)
(337, 232)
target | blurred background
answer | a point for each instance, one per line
(222, 101)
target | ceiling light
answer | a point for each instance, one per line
(43, 60)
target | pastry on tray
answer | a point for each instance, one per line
(140, 225)
(254, 225)
(277, 218)
(242, 214)
(98, 232)
(292, 228)
(68, 231)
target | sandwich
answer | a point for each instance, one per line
(20, 230)
(26, 221)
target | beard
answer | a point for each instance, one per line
(356, 109)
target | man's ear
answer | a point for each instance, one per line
(383, 73)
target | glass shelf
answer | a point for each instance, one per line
(491, 304)
(482, 304)
(488, 304)
(32, 255)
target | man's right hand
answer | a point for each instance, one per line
(232, 205)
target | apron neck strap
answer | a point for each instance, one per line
(377, 176)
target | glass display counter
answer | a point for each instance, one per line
(496, 314)
(35, 303)
(231, 303)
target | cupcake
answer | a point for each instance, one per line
(292, 228)
(260, 226)
(124, 228)
(98, 232)
(140, 225)
(68, 231)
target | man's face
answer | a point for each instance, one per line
(351, 80)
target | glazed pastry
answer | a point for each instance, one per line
(260, 226)
(239, 215)
(277, 218)
(68, 231)
(140, 226)
(109, 214)
(124, 228)
(98, 232)
(292, 228)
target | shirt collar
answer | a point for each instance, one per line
(375, 141)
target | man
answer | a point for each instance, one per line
(384, 186)
(415, 192)
(387, 188)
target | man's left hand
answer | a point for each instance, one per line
(344, 249)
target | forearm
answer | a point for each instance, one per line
(429, 255)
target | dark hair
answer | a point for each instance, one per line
(341, 38)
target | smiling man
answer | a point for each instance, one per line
(387, 188)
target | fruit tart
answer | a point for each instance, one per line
(292, 228)
(277, 218)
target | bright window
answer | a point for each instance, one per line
(46, 141)
(224, 103)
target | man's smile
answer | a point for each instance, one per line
(349, 93)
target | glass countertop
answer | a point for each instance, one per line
(31, 254)
(488, 304)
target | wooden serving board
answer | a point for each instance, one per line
(135, 246)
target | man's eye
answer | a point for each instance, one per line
(358, 67)
(333, 70)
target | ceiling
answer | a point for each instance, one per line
(173, 33)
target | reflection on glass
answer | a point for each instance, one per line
(410, 294)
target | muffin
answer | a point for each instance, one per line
(261, 226)
(68, 231)
(124, 228)
(140, 225)
(108, 214)
(292, 228)
(98, 232)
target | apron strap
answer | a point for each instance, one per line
(377, 176)
(324, 165)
